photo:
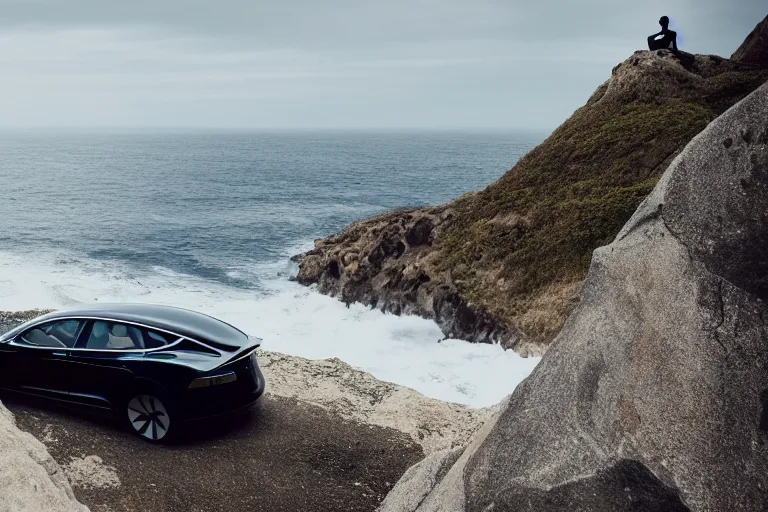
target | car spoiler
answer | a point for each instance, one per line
(253, 344)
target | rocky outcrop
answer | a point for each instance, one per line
(655, 394)
(30, 480)
(389, 262)
(506, 264)
(356, 395)
(754, 50)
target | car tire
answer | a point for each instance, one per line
(150, 416)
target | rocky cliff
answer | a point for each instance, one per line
(654, 396)
(506, 264)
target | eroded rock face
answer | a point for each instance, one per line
(388, 262)
(654, 395)
(30, 480)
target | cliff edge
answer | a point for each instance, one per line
(654, 396)
(506, 264)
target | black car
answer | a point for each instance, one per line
(155, 366)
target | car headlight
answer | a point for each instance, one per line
(213, 380)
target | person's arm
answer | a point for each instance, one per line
(674, 41)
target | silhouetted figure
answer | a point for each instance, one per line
(668, 37)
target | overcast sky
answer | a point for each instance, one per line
(331, 63)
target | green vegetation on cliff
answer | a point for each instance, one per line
(534, 230)
(506, 263)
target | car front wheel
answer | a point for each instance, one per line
(149, 417)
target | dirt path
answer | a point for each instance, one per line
(283, 455)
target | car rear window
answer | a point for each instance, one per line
(155, 339)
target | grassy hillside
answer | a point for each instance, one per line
(529, 237)
(506, 263)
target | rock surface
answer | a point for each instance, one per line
(356, 395)
(754, 50)
(506, 264)
(30, 480)
(655, 394)
(389, 262)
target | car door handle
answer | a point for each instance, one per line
(59, 354)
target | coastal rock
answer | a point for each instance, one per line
(655, 394)
(416, 484)
(356, 395)
(506, 264)
(754, 50)
(30, 480)
(657, 74)
(388, 262)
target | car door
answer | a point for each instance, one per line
(36, 361)
(101, 363)
(9, 364)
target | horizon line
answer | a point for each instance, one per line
(169, 128)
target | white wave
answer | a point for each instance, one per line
(290, 318)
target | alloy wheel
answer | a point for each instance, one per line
(149, 417)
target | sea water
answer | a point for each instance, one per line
(209, 220)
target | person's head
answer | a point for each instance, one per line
(664, 22)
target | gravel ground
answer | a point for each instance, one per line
(282, 456)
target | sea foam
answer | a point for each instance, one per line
(290, 318)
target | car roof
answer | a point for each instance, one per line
(181, 321)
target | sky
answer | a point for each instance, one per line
(331, 64)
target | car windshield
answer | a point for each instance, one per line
(62, 333)
(19, 328)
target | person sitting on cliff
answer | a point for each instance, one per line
(668, 37)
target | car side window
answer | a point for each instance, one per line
(156, 339)
(61, 334)
(114, 336)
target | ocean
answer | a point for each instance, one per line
(208, 221)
